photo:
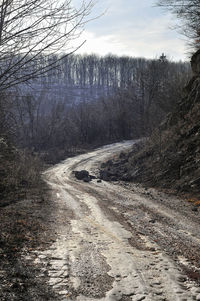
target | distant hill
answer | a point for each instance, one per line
(90, 77)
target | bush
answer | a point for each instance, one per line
(19, 171)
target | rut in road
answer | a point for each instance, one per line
(104, 249)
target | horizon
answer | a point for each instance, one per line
(137, 29)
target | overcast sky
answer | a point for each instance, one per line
(132, 27)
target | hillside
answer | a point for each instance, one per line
(170, 158)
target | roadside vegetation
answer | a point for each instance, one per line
(31, 32)
(55, 105)
(169, 157)
(37, 128)
(20, 174)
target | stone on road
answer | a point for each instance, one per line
(106, 247)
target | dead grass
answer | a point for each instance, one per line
(20, 172)
(194, 201)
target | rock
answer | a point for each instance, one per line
(104, 175)
(126, 177)
(87, 179)
(64, 292)
(84, 175)
(99, 181)
(80, 175)
(109, 162)
(122, 155)
(117, 164)
(92, 177)
(195, 63)
(152, 221)
(181, 278)
(113, 178)
(152, 249)
(198, 297)
(195, 209)
(195, 290)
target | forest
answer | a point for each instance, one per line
(85, 102)
(99, 154)
(91, 100)
(54, 105)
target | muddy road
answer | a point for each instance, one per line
(118, 241)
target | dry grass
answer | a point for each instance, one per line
(20, 172)
(194, 201)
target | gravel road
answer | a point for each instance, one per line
(118, 241)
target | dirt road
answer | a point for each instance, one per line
(118, 242)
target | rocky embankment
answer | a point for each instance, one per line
(170, 158)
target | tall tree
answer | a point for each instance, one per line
(188, 11)
(31, 31)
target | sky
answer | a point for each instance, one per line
(132, 27)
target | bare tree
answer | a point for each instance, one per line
(31, 31)
(188, 11)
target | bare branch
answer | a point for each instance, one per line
(188, 11)
(32, 28)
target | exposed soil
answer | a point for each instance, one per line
(170, 158)
(25, 226)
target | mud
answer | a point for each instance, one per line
(117, 241)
